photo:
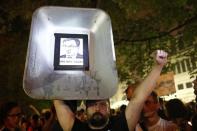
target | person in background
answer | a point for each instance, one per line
(194, 118)
(81, 115)
(35, 124)
(98, 111)
(194, 123)
(161, 110)
(195, 87)
(123, 108)
(178, 113)
(113, 112)
(10, 114)
(130, 89)
(152, 121)
(23, 124)
(49, 120)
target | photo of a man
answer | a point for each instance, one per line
(71, 51)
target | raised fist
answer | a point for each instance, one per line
(161, 57)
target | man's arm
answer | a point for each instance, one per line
(65, 115)
(136, 103)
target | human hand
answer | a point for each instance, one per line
(160, 57)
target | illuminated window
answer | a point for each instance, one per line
(178, 67)
(180, 86)
(183, 66)
(188, 64)
(189, 85)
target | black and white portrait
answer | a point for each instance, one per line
(71, 51)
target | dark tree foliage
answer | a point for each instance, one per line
(139, 28)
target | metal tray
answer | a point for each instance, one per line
(42, 81)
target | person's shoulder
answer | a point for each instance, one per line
(165, 121)
(79, 125)
(118, 123)
(169, 124)
(6, 129)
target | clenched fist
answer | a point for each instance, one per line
(161, 57)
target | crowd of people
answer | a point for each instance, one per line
(174, 115)
(13, 118)
(144, 112)
(160, 115)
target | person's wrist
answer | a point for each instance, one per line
(159, 67)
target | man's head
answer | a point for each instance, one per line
(98, 112)
(71, 46)
(177, 111)
(151, 106)
(130, 89)
(10, 114)
(81, 115)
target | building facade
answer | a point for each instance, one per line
(182, 79)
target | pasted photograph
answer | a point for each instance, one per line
(71, 51)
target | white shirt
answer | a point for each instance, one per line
(163, 125)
